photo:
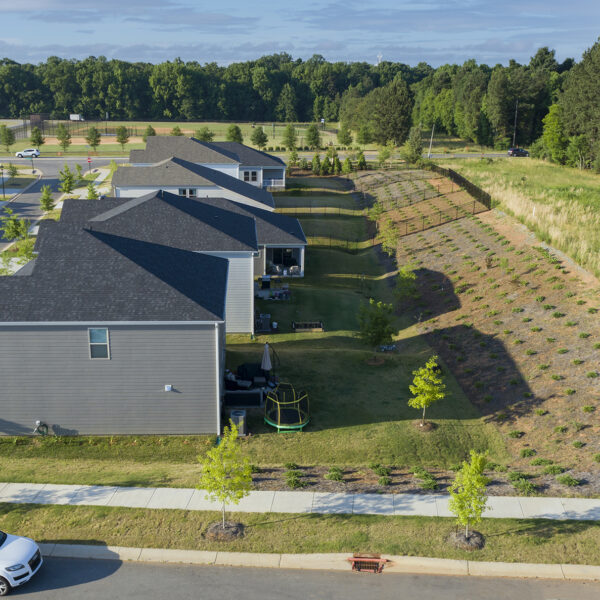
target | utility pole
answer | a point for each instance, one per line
(2, 178)
(431, 140)
(515, 127)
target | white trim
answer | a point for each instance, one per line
(103, 323)
(285, 245)
(218, 370)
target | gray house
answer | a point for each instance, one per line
(185, 178)
(108, 335)
(232, 158)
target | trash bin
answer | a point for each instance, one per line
(238, 417)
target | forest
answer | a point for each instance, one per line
(555, 103)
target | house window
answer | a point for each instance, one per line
(99, 345)
(254, 176)
(192, 193)
(246, 175)
(187, 192)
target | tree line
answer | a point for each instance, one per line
(548, 104)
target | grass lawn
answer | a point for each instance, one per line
(561, 205)
(535, 541)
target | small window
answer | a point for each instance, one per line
(246, 175)
(182, 192)
(254, 176)
(192, 193)
(99, 343)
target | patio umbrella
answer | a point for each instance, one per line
(266, 365)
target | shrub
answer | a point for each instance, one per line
(291, 466)
(584, 336)
(568, 480)
(536, 329)
(540, 412)
(553, 470)
(530, 352)
(524, 487)
(515, 434)
(577, 361)
(384, 480)
(569, 391)
(592, 374)
(560, 429)
(381, 470)
(550, 340)
(516, 475)
(543, 367)
(557, 377)
(293, 479)
(527, 452)
(578, 444)
(334, 474)
(588, 408)
(597, 458)
(562, 350)
(536, 462)
(558, 315)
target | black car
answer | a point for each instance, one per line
(517, 152)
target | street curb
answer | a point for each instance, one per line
(27, 187)
(324, 562)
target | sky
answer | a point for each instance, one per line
(408, 31)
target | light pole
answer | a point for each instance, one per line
(32, 169)
(2, 177)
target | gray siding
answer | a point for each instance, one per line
(47, 374)
(259, 263)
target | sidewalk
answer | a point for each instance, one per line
(499, 507)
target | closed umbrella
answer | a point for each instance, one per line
(266, 365)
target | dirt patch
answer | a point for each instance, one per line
(231, 531)
(475, 541)
(424, 427)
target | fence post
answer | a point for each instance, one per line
(423, 223)
(473, 207)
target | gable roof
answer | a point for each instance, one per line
(272, 228)
(160, 147)
(90, 276)
(249, 157)
(167, 219)
(177, 172)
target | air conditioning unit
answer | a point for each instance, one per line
(238, 417)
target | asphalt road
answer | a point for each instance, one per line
(50, 166)
(68, 579)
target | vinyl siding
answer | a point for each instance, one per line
(239, 305)
(259, 263)
(48, 375)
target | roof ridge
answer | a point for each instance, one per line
(113, 212)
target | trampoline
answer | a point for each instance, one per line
(286, 409)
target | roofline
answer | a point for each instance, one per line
(79, 323)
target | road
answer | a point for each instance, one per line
(68, 579)
(50, 166)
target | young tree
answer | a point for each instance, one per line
(385, 153)
(37, 139)
(293, 158)
(375, 323)
(554, 137)
(92, 192)
(412, 151)
(122, 136)
(313, 137)
(361, 163)
(364, 135)
(93, 138)
(46, 199)
(347, 166)
(234, 134)
(326, 166)
(344, 136)
(427, 386)
(226, 476)
(304, 165)
(79, 171)
(290, 139)
(7, 137)
(67, 180)
(204, 134)
(12, 170)
(337, 165)
(578, 152)
(316, 164)
(13, 228)
(149, 132)
(176, 131)
(63, 136)
(259, 138)
(468, 496)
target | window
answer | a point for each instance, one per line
(246, 175)
(188, 192)
(254, 176)
(99, 343)
(192, 193)
(182, 192)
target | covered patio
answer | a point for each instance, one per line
(285, 261)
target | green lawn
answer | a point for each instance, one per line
(561, 205)
(507, 540)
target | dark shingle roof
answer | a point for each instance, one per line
(159, 148)
(182, 173)
(91, 276)
(249, 157)
(167, 219)
(272, 228)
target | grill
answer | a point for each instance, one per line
(34, 561)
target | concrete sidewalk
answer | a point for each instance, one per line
(427, 505)
(327, 562)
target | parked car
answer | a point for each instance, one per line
(517, 152)
(28, 153)
(20, 560)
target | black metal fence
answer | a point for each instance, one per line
(475, 191)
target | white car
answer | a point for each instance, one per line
(20, 560)
(28, 153)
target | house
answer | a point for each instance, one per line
(112, 335)
(184, 223)
(186, 178)
(232, 158)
